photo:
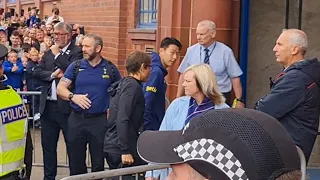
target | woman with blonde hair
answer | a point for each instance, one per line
(202, 94)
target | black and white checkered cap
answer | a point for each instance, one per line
(225, 144)
(214, 153)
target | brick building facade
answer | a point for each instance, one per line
(120, 25)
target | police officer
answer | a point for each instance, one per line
(91, 77)
(13, 128)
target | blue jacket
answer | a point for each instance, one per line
(154, 93)
(294, 100)
(174, 120)
(14, 78)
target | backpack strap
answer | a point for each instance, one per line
(75, 73)
(110, 68)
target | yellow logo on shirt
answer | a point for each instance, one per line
(105, 76)
(151, 89)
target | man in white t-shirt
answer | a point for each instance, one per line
(55, 16)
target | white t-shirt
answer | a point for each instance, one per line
(50, 19)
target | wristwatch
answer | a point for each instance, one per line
(240, 100)
(70, 96)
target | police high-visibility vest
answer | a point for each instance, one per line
(13, 129)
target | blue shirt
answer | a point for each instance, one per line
(221, 60)
(174, 120)
(14, 78)
(93, 81)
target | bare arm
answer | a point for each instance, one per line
(237, 88)
(62, 89)
(180, 91)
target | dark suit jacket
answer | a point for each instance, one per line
(47, 66)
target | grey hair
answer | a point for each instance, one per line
(97, 39)
(298, 38)
(66, 27)
(207, 23)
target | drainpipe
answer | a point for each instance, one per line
(244, 33)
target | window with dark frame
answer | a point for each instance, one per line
(148, 13)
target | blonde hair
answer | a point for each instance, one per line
(33, 50)
(292, 175)
(206, 82)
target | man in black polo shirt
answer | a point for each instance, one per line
(90, 79)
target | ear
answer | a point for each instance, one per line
(98, 49)
(161, 50)
(295, 50)
(213, 34)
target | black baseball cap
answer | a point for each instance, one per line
(3, 53)
(225, 144)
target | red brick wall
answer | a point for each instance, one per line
(111, 19)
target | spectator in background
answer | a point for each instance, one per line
(27, 40)
(49, 29)
(39, 39)
(15, 43)
(55, 16)
(155, 88)
(32, 83)
(13, 68)
(48, 42)
(33, 17)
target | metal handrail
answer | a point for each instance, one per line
(29, 92)
(116, 172)
(303, 164)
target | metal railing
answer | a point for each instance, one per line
(117, 172)
(33, 95)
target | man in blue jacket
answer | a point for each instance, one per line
(155, 88)
(294, 98)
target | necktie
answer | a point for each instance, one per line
(207, 57)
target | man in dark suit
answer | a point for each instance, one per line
(54, 111)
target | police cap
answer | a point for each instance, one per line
(3, 53)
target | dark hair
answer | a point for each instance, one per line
(25, 47)
(166, 42)
(135, 60)
(15, 33)
(56, 11)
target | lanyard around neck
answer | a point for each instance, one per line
(215, 43)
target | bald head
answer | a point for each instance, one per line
(298, 38)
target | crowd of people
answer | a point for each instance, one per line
(204, 134)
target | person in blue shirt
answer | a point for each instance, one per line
(155, 88)
(203, 94)
(89, 100)
(13, 68)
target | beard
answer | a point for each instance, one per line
(90, 57)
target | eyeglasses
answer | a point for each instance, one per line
(59, 34)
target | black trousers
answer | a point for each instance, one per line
(11, 176)
(114, 162)
(52, 121)
(228, 98)
(28, 155)
(83, 131)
